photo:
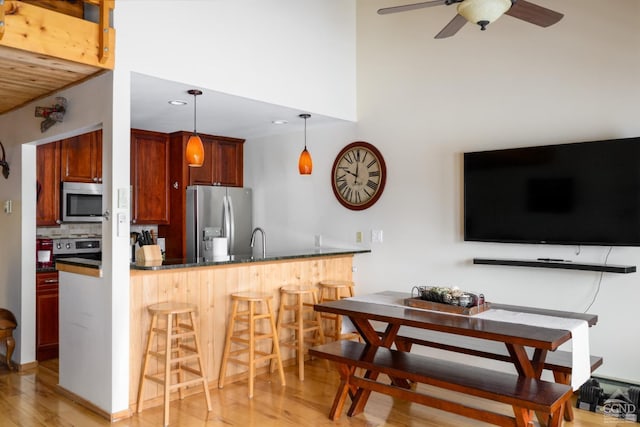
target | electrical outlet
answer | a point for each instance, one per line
(376, 236)
(358, 236)
(318, 240)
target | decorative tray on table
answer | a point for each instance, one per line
(448, 300)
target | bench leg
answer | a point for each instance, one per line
(555, 418)
(524, 417)
(563, 378)
(11, 344)
(344, 389)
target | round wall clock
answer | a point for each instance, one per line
(358, 175)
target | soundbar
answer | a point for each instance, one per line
(553, 263)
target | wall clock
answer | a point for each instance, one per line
(358, 175)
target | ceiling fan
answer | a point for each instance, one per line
(483, 12)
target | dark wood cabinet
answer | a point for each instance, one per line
(223, 165)
(223, 160)
(149, 177)
(48, 184)
(47, 315)
(81, 158)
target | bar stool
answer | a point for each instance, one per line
(302, 324)
(333, 290)
(175, 333)
(246, 338)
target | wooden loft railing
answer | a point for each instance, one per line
(40, 30)
(43, 50)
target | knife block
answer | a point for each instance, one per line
(149, 255)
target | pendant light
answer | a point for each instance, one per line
(305, 164)
(195, 149)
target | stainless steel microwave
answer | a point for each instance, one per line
(81, 202)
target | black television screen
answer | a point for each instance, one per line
(576, 194)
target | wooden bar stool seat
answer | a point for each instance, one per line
(304, 325)
(7, 325)
(334, 290)
(246, 339)
(181, 348)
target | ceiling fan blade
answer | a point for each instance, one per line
(413, 6)
(533, 13)
(452, 27)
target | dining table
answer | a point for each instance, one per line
(528, 333)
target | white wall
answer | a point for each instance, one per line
(295, 53)
(423, 102)
(20, 131)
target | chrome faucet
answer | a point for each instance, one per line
(264, 240)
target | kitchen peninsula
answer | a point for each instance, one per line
(208, 285)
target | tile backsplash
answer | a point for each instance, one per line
(89, 229)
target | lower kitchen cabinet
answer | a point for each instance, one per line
(46, 315)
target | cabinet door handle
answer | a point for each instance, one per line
(51, 281)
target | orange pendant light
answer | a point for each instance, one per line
(195, 150)
(305, 164)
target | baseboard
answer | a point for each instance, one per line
(112, 417)
(17, 366)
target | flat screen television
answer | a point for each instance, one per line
(570, 194)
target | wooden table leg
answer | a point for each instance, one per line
(531, 368)
(370, 336)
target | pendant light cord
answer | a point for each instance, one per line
(305, 133)
(195, 98)
(305, 116)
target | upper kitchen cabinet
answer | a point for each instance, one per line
(222, 162)
(48, 184)
(149, 177)
(81, 158)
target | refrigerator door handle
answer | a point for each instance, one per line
(231, 237)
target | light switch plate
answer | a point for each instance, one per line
(376, 236)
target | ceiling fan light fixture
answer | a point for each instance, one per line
(194, 152)
(305, 164)
(483, 12)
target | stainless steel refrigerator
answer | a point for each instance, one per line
(214, 211)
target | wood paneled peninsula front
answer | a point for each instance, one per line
(208, 285)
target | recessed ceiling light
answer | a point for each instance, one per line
(279, 122)
(177, 102)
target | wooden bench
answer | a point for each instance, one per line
(7, 325)
(558, 362)
(523, 394)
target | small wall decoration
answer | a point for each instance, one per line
(4, 164)
(53, 114)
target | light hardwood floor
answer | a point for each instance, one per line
(29, 399)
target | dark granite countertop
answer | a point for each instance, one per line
(240, 259)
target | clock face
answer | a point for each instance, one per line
(358, 175)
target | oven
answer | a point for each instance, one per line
(80, 247)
